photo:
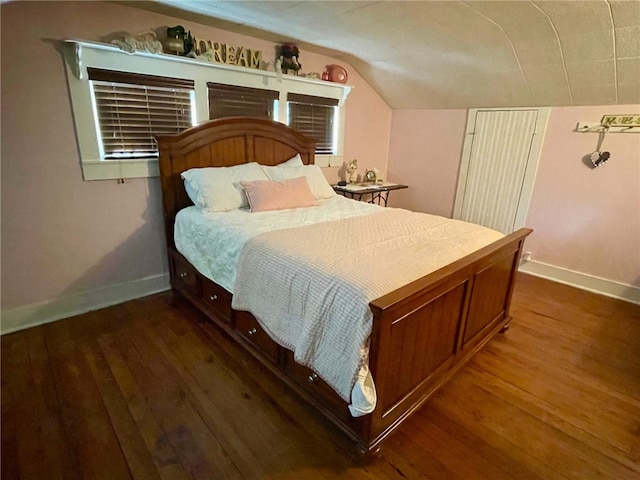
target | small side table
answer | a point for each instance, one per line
(379, 193)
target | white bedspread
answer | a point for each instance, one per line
(310, 287)
(212, 241)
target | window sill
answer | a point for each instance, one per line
(329, 160)
(114, 169)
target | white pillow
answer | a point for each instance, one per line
(218, 189)
(317, 181)
(292, 162)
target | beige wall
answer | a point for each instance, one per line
(584, 220)
(62, 236)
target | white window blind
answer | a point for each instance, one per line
(236, 101)
(132, 109)
(315, 117)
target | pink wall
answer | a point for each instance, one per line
(425, 151)
(63, 236)
(588, 220)
(584, 220)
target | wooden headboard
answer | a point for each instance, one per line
(223, 143)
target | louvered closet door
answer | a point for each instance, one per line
(498, 167)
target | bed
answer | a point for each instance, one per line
(420, 332)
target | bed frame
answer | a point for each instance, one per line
(422, 332)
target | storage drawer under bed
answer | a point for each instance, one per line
(250, 329)
(309, 381)
(217, 300)
(184, 276)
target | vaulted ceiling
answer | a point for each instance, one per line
(455, 54)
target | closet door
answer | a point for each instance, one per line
(499, 162)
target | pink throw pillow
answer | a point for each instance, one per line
(265, 195)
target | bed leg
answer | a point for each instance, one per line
(506, 326)
(366, 455)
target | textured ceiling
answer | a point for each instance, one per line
(455, 54)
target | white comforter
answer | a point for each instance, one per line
(212, 241)
(315, 300)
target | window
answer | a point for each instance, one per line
(132, 109)
(234, 101)
(316, 117)
(176, 92)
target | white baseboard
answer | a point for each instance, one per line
(583, 281)
(45, 312)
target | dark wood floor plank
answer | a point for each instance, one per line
(29, 432)
(559, 451)
(448, 450)
(214, 400)
(573, 398)
(163, 454)
(87, 424)
(569, 422)
(407, 456)
(554, 379)
(149, 389)
(10, 465)
(481, 443)
(468, 414)
(59, 458)
(611, 361)
(36, 427)
(181, 424)
(132, 444)
(586, 314)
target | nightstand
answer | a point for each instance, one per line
(360, 191)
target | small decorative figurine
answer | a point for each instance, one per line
(145, 41)
(352, 170)
(289, 54)
(175, 40)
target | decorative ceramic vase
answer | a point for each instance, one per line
(337, 74)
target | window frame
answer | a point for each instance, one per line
(308, 106)
(133, 109)
(79, 55)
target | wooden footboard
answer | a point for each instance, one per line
(425, 331)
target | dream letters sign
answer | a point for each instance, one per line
(224, 53)
(621, 120)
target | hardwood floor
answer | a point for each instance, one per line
(145, 390)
